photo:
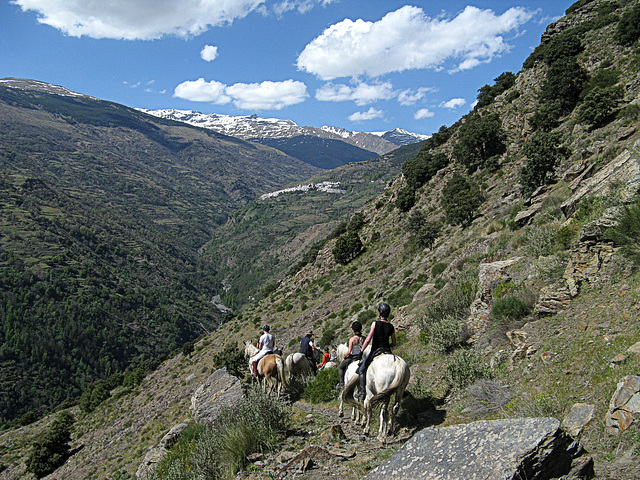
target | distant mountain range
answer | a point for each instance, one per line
(326, 147)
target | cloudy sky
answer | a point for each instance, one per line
(365, 65)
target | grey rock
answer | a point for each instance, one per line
(580, 416)
(158, 452)
(219, 390)
(531, 448)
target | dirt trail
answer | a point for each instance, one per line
(323, 445)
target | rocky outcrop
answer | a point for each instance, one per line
(624, 170)
(531, 448)
(157, 453)
(624, 406)
(219, 390)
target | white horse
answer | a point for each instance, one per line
(387, 374)
(270, 369)
(341, 352)
(298, 365)
(346, 396)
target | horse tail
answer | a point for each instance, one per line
(281, 373)
(348, 391)
(399, 381)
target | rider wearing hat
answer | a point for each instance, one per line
(306, 348)
(265, 344)
(382, 338)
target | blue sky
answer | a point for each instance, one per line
(365, 65)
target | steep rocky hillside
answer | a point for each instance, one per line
(510, 262)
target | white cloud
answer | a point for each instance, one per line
(408, 39)
(454, 103)
(409, 97)
(202, 91)
(137, 19)
(362, 93)
(267, 95)
(368, 115)
(302, 6)
(209, 53)
(423, 113)
(247, 96)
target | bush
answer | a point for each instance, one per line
(423, 233)
(441, 324)
(406, 199)
(487, 94)
(323, 387)
(627, 232)
(461, 199)
(628, 30)
(438, 268)
(233, 359)
(465, 367)
(563, 85)
(257, 423)
(510, 308)
(421, 168)
(599, 105)
(544, 152)
(347, 247)
(52, 449)
(443, 333)
(480, 137)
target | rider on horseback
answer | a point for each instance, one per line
(306, 348)
(354, 352)
(265, 344)
(382, 338)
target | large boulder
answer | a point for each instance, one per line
(531, 448)
(219, 390)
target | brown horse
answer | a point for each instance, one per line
(270, 369)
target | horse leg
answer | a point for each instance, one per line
(367, 417)
(384, 420)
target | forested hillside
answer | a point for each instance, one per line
(103, 211)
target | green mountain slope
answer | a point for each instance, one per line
(103, 211)
(277, 234)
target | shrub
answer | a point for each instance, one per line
(627, 232)
(406, 199)
(443, 333)
(356, 223)
(347, 247)
(232, 358)
(486, 396)
(52, 449)
(480, 137)
(487, 94)
(461, 199)
(438, 268)
(423, 233)
(366, 315)
(465, 367)
(563, 85)
(255, 424)
(544, 152)
(599, 105)
(510, 308)
(421, 168)
(322, 387)
(400, 297)
(442, 321)
(628, 30)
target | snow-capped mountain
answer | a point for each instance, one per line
(252, 127)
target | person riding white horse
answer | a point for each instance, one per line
(265, 345)
(382, 338)
(354, 351)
